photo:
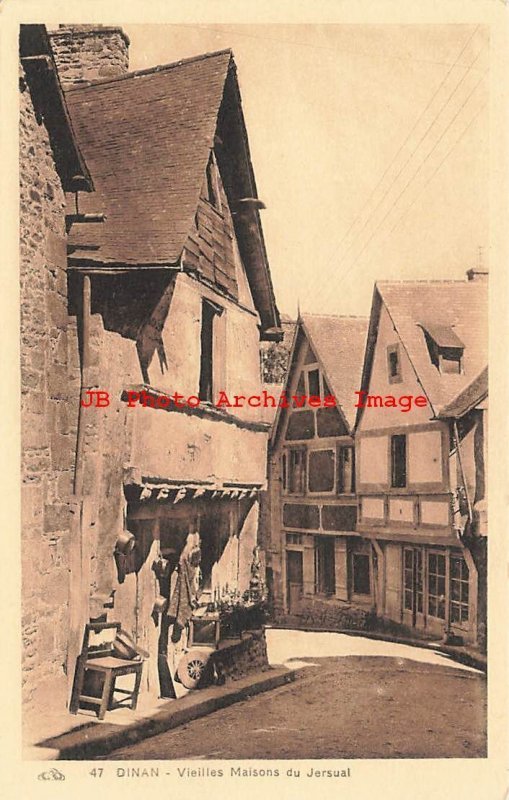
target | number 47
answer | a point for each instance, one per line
(96, 772)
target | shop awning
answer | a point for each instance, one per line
(175, 492)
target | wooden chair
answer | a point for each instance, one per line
(97, 656)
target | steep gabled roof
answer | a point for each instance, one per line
(147, 137)
(459, 306)
(338, 343)
(469, 398)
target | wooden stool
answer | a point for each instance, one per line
(97, 655)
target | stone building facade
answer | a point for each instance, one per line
(123, 293)
(50, 375)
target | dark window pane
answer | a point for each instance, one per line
(409, 559)
(301, 388)
(360, 563)
(393, 363)
(301, 425)
(301, 516)
(398, 460)
(346, 470)
(325, 573)
(329, 422)
(314, 383)
(321, 470)
(206, 339)
(339, 518)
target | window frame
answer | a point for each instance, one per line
(314, 492)
(339, 480)
(394, 349)
(289, 451)
(393, 463)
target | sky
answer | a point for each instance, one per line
(370, 146)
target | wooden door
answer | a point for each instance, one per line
(413, 587)
(294, 580)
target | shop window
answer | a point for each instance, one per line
(314, 383)
(325, 573)
(436, 585)
(346, 470)
(321, 470)
(458, 590)
(398, 461)
(360, 573)
(394, 363)
(296, 470)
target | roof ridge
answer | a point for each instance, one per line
(149, 70)
(464, 281)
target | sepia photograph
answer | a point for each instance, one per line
(254, 266)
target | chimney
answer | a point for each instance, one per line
(89, 53)
(479, 272)
(476, 274)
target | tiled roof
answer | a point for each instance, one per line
(339, 343)
(146, 138)
(474, 393)
(459, 305)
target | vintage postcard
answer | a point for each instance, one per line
(256, 286)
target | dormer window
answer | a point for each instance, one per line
(444, 347)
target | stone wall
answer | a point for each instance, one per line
(49, 405)
(332, 615)
(247, 655)
(89, 53)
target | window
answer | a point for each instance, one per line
(398, 461)
(314, 383)
(207, 338)
(297, 471)
(436, 585)
(294, 538)
(444, 346)
(413, 583)
(212, 184)
(325, 577)
(209, 311)
(459, 589)
(321, 470)
(393, 364)
(450, 360)
(284, 471)
(360, 573)
(346, 470)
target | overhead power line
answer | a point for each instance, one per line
(385, 194)
(407, 138)
(402, 192)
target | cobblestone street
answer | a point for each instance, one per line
(356, 706)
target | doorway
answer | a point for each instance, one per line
(413, 587)
(294, 580)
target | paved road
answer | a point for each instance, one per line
(354, 706)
